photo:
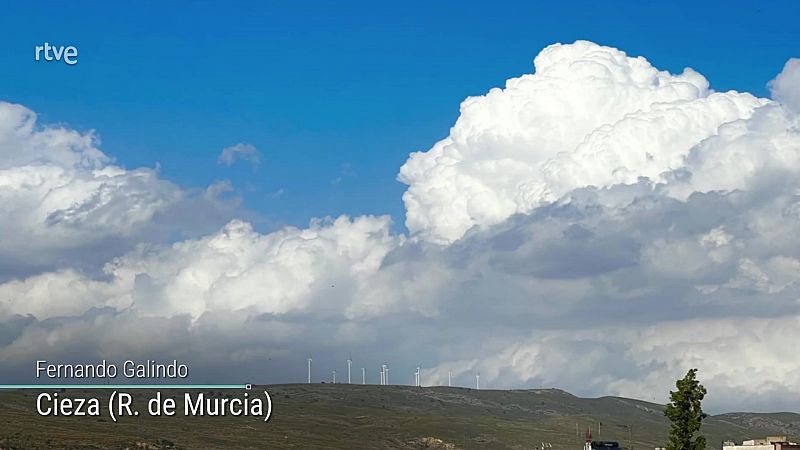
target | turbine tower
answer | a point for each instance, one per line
(349, 362)
(384, 374)
(416, 377)
(309, 370)
(478, 381)
(363, 375)
(448, 378)
(334, 376)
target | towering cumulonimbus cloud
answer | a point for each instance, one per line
(598, 225)
(588, 116)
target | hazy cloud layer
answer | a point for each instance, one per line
(599, 226)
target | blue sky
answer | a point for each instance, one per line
(329, 90)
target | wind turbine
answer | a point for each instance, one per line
(448, 378)
(334, 376)
(349, 362)
(363, 375)
(309, 370)
(478, 381)
(416, 377)
(383, 374)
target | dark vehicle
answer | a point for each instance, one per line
(605, 445)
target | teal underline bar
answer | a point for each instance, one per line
(123, 386)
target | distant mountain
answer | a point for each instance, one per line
(324, 416)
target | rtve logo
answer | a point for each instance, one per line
(52, 53)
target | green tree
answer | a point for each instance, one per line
(686, 414)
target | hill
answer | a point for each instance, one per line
(324, 416)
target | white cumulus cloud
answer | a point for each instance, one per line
(63, 199)
(598, 225)
(288, 270)
(786, 86)
(240, 151)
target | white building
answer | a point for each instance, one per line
(769, 443)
